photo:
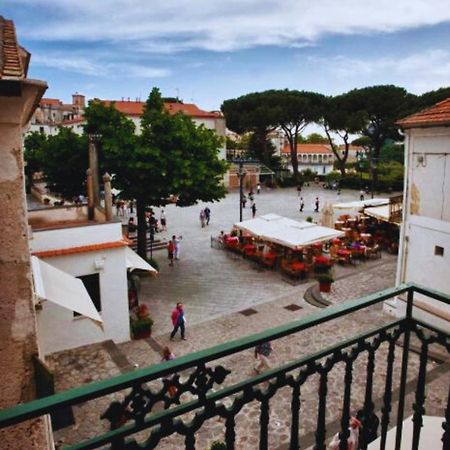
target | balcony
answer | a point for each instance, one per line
(380, 375)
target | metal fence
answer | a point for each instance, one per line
(194, 388)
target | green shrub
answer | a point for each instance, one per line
(309, 219)
(218, 445)
(139, 326)
(325, 278)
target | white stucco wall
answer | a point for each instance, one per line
(58, 329)
(75, 236)
(426, 221)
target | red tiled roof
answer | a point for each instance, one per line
(50, 102)
(308, 148)
(436, 115)
(135, 109)
(11, 62)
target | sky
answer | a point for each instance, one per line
(207, 51)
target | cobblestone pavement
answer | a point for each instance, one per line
(76, 367)
(210, 283)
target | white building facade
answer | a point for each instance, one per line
(424, 256)
(93, 251)
(319, 158)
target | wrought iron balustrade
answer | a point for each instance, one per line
(180, 396)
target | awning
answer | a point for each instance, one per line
(380, 213)
(134, 261)
(287, 232)
(359, 205)
(63, 289)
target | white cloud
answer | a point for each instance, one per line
(418, 72)
(85, 66)
(218, 25)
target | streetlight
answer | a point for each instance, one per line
(241, 174)
(373, 165)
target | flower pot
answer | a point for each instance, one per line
(142, 334)
(324, 287)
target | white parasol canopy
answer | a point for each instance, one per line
(359, 205)
(287, 232)
(63, 289)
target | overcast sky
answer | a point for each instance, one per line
(206, 51)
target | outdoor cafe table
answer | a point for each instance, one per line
(365, 236)
(344, 252)
(249, 249)
(297, 266)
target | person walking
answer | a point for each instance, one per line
(178, 321)
(262, 353)
(361, 195)
(253, 210)
(302, 204)
(177, 246)
(244, 200)
(299, 190)
(258, 188)
(316, 205)
(170, 252)
(207, 215)
(202, 218)
(163, 220)
(168, 355)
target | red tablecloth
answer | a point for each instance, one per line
(344, 252)
(232, 240)
(249, 249)
(297, 266)
(322, 260)
(270, 256)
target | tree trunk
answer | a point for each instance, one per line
(142, 228)
(294, 157)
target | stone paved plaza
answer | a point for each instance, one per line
(214, 288)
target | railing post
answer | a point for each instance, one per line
(446, 425)
(404, 371)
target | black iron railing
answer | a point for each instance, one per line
(180, 396)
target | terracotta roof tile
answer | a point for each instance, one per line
(132, 108)
(308, 148)
(11, 63)
(50, 102)
(81, 249)
(436, 115)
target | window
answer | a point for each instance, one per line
(92, 285)
(438, 251)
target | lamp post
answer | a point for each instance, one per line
(373, 166)
(241, 174)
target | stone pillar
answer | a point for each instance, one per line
(90, 194)
(18, 335)
(108, 196)
(93, 165)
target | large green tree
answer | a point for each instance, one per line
(256, 114)
(380, 106)
(171, 156)
(33, 145)
(63, 158)
(343, 117)
(296, 109)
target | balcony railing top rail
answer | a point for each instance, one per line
(201, 381)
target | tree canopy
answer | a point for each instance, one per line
(172, 156)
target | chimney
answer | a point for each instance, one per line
(93, 165)
(90, 194)
(108, 196)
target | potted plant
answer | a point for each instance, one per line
(141, 323)
(325, 280)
